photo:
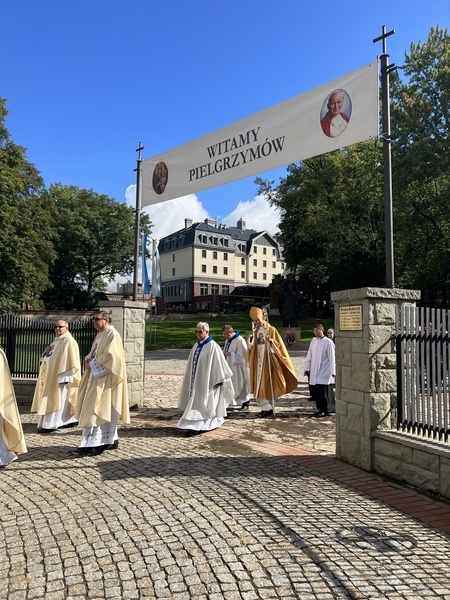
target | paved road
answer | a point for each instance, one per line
(237, 513)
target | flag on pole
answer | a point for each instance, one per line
(156, 272)
(145, 279)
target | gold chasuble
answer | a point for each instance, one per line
(12, 426)
(98, 395)
(63, 357)
(272, 373)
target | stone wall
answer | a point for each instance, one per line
(366, 392)
(24, 390)
(128, 318)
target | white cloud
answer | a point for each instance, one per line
(169, 216)
(256, 213)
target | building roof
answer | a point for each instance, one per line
(187, 235)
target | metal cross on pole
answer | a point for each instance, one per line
(137, 222)
(387, 164)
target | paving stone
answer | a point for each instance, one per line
(220, 516)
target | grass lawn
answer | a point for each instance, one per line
(180, 333)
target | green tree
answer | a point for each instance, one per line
(421, 161)
(96, 244)
(331, 224)
(26, 233)
(332, 207)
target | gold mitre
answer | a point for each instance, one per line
(256, 313)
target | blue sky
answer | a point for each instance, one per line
(87, 80)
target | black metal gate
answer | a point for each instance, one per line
(423, 366)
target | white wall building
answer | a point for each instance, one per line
(206, 259)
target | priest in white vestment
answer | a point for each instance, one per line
(102, 397)
(206, 390)
(12, 440)
(235, 352)
(58, 381)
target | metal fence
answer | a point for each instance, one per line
(423, 366)
(24, 339)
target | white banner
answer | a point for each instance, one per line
(334, 115)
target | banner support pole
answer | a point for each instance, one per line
(137, 222)
(387, 162)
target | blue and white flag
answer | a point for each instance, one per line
(156, 272)
(145, 279)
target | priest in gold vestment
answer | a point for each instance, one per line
(272, 373)
(58, 381)
(102, 397)
(11, 433)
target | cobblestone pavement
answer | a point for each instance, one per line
(235, 513)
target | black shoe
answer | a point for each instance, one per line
(97, 450)
(81, 451)
(192, 432)
(112, 446)
(69, 425)
(265, 413)
(320, 415)
(245, 405)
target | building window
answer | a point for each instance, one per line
(242, 274)
(173, 257)
(225, 242)
(255, 262)
(225, 290)
(264, 276)
(242, 261)
(203, 253)
(214, 289)
(282, 265)
(203, 289)
(203, 268)
(173, 272)
(255, 275)
(225, 270)
(215, 255)
(225, 256)
(273, 251)
(255, 249)
(264, 250)
(180, 290)
(215, 270)
(274, 264)
(264, 263)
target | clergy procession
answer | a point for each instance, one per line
(92, 394)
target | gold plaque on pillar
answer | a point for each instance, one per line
(350, 318)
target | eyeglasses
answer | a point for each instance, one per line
(98, 319)
(200, 331)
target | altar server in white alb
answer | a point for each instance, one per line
(235, 352)
(11, 433)
(102, 398)
(206, 390)
(58, 381)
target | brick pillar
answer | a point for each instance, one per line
(128, 318)
(366, 384)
